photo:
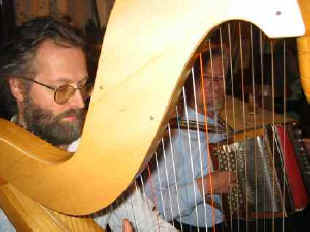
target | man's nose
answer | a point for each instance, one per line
(77, 100)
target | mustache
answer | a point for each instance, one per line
(79, 114)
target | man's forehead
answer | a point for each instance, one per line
(216, 63)
(61, 64)
(211, 60)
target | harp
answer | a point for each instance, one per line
(126, 74)
(247, 122)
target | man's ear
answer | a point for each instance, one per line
(16, 89)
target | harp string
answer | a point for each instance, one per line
(174, 170)
(199, 142)
(227, 129)
(166, 174)
(141, 181)
(273, 134)
(254, 118)
(284, 123)
(243, 120)
(132, 206)
(224, 59)
(159, 179)
(153, 195)
(205, 110)
(218, 131)
(190, 148)
(261, 42)
(233, 110)
(179, 132)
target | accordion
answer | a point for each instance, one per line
(272, 168)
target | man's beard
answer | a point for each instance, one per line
(51, 128)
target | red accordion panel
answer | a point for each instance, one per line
(293, 173)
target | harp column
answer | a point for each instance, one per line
(303, 44)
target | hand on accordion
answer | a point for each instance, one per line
(217, 182)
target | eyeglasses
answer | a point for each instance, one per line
(215, 80)
(63, 93)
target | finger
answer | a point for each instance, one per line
(127, 226)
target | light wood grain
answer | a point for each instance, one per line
(303, 44)
(27, 215)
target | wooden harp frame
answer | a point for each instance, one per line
(303, 44)
(142, 67)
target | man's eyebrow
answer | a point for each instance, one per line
(63, 80)
(66, 80)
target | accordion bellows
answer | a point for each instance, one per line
(273, 172)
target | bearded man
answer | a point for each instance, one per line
(44, 83)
